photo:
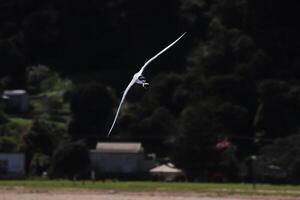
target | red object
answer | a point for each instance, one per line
(224, 144)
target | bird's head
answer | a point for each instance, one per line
(142, 78)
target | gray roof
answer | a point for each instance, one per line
(119, 147)
(14, 92)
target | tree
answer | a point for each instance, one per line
(70, 160)
(8, 144)
(39, 163)
(278, 113)
(49, 94)
(36, 78)
(157, 132)
(279, 161)
(91, 107)
(161, 93)
(43, 137)
(195, 150)
(41, 79)
(3, 116)
(14, 61)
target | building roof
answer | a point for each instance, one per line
(118, 147)
(14, 92)
(166, 168)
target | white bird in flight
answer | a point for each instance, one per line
(139, 79)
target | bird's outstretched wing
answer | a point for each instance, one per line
(154, 57)
(133, 80)
(122, 100)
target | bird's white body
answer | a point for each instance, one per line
(139, 79)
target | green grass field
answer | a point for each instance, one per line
(217, 188)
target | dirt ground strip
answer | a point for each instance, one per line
(64, 194)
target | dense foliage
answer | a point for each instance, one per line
(233, 78)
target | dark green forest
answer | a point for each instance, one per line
(226, 93)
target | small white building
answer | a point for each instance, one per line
(12, 165)
(125, 160)
(16, 100)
